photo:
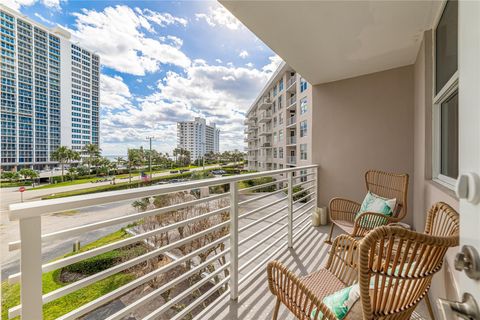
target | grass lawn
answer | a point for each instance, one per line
(65, 183)
(51, 282)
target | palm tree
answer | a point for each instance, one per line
(92, 151)
(134, 160)
(119, 161)
(62, 155)
(29, 173)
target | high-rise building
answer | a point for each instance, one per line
(49, 92)
(278, 124)
(198, 137)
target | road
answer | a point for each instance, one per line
(9, 230)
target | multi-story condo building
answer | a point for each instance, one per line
(278, 123)
(198, 137)
(49, 92)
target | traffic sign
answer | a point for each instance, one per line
(22, 189)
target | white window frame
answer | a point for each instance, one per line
(438, 98)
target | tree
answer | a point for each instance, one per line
(72, 173)
(92, 151)
(134, 160)
(64, 155)
(29, 174)
(120, 161)
(11, 176)
(182, 157)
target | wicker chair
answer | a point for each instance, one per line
(394, 267)
(388, 185)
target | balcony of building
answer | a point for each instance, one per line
(264, 104)
(291, 121)
(292, 84)
(291, 141)
(292, 102)
(292, 160)
(265, 117)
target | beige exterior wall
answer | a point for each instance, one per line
(428, 192)
(359, 124)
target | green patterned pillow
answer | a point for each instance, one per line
(375, 203)
(340, 302)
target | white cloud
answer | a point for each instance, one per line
(243, 54)
(17, 4)
(219, 16)
(161, 19)
(221, 94)
(218, 60)
(114, 93)
(42, 18)
(250, 65)
(128, 49)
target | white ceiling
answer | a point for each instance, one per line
(332, 40)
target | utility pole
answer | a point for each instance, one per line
(150, 156)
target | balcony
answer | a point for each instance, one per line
(264, 131)
(292, 102)
(291, 141)
(292, 121)
(264, 103)
(292, 160)
(265, 117)
(237, 233)
(266, 145)
(292, 84)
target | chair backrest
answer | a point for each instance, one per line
(389, 185)
(396, 267)
(442, 220)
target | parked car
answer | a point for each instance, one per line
(173, 171)
(218, 172)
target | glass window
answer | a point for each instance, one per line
(280, 153)
(303, 128)
(280, 135)
(303, 151)
(275, 91)
(280, 85)
(303, 105)
(446, 45)
(445, 109)
(449, 137)
(303, 85)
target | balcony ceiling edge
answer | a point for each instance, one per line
(332, 40)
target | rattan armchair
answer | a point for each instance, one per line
(394, 268)
(343, 212)
(302, 295)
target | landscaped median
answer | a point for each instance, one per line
(56, 279)
(194, 175)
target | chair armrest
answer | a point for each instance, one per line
(343, 258)
(343, 209)
(367, 221)
(294, 295)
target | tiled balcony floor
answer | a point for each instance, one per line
(255, 300)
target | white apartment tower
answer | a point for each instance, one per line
(198, 137)
(49, 92)
(278, 124)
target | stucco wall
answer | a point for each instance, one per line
(359, 124)
(428, 192)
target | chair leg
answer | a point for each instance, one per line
(429, 307)
(329, 241)
(275, 311)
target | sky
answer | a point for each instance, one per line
(163, 62)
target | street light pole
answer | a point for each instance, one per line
(150, 157)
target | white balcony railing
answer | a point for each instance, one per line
(291, 83)
(292, 101)
(226, 255)
(291, 121)
(292, 159)
(291, 140)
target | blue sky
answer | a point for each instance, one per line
(162, 62)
